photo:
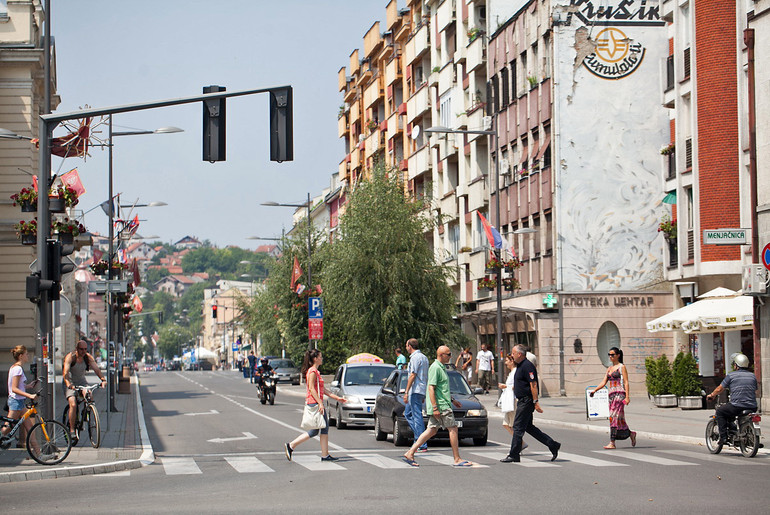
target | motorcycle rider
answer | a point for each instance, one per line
(743, 387)
(263, 370)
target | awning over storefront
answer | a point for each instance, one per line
(718, 310)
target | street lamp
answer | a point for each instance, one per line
(271, 203)
(499, 315)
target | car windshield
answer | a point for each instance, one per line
(366, 375)
(282, 363)
(457, 385)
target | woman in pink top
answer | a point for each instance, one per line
(314, 396)
(17, 393)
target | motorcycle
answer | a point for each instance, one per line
(745, 435)
(266, 391)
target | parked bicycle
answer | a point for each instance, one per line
(48, 441)
(86, 415)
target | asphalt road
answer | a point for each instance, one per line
(219, 450)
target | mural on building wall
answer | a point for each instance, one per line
(607, 95)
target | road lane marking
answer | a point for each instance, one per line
(180, 466)
(381, 461)
(525, 462)
(733, 459)
(247, 464)
(314, 463)
(585, 460)
(246, 436)
(212, 412)
(647, 458)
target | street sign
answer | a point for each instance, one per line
(62, 311)
(315, 328)
(315, 308)
(725, 237)
(765, 257)
(114, 286)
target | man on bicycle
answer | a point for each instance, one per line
(743, 394)
(76, 364)
(264, 369)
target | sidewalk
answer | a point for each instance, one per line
(125, 443)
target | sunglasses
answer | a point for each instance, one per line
(611, 354)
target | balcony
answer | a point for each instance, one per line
(445, 14)
(478, 193)
(449, 206)
(417, 45)
(395, 125)
(343, 170)
(476, 55)
(372, 40)
(342, 126)
(476, 122)
(373, 93)
(374, 143)
(355, 113)
(673, 253)
(417, 104)
(447, 78)
(342, 79)
(393, 71)
(419, 162)
(355, 159)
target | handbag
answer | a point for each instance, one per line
(312, 418)
(507, 401)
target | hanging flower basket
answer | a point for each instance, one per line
(488, 284)
(29, 239)
(56, 205)
(512, 264)
(27, 199)
(493, 265)
(511, 284)
(66, 238)
(99, 268)
(67, 226)
(27, 231)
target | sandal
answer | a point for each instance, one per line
(610, 446)
(633, 438)
(409, 462)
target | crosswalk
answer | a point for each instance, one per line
(352, 460)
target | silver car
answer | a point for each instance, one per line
(359, 383)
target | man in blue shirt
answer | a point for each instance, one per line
(416, 386)
(743, 394)
(400, 359)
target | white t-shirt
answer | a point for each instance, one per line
(484, 359)
(13, 372)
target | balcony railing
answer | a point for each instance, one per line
(688, 154)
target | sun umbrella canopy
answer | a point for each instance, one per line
(711, 314)
(365, 357)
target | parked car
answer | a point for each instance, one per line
(471, 417)
(286, 370)
(359, 384)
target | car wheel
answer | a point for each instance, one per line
(399, 439)
(340, 423)
(481, 440)
(379, 434)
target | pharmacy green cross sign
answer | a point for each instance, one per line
(549, 301)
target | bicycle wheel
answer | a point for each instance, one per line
(94, 430)
(48, 442)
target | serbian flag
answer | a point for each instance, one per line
(133, 226)
(34, 182)
(296, 273)
(493, 235)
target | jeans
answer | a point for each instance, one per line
(523, 423)
(413, 414)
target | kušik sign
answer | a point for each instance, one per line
(725, 237)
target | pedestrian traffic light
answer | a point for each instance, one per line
(281, 125)
(58, 265)
(214, 311)
(214, 126)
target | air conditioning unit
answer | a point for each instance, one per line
(754, 280)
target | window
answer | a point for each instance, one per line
(608, 337)
(505, 87)
(445, 103)
(514, 82)
(454, 239)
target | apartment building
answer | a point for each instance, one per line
(21, 102)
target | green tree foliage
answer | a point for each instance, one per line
(173, 339)
(381, 283)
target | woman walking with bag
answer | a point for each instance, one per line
(507, 400)
(314, 418)
(617, 376)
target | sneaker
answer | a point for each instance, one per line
(47, 457)
(74, 438)
(422, 449)
(328, 457)
(288, 450)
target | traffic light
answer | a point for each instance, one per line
(214, 126)
(214, 311)
(58, 265)
(281, 125)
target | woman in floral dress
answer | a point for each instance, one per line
(617, 377)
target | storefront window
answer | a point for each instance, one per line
(608, 337)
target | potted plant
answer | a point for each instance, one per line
(663, 377)
(465, 249)
(512, 264)
(27, 231)
(523, 173)
(99, 268)
(473, 34)
(493, 265)
(67, 229)
(685, 383)
(668, 227)
(511, 284)
(61, 197)
(27, 199)
(651, 377)
(489, 284)
(372, 125)
(667, 149)
(532, 81)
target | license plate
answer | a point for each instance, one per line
(368, 409)
(459, 423)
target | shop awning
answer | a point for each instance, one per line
(718, 310)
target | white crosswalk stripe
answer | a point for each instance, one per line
(180, 466)
(525, 462)
(583, 460)
(313, 462)
(647, 458)
(246, 464)
(381, 461)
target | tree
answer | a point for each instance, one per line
(381, 283)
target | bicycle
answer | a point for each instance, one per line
(48, 441)
(86, 415)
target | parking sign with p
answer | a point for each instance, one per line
(315, 308)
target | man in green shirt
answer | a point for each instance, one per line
(439, 404)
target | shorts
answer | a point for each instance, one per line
(508, 417)
(446, 419)
(70, 393)
(15, 404)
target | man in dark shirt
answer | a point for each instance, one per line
(743, 394)
(526, 392)
(252, 366)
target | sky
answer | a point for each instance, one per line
(112, 53)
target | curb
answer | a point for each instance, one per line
(147, 457)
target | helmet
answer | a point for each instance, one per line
(741, 361)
